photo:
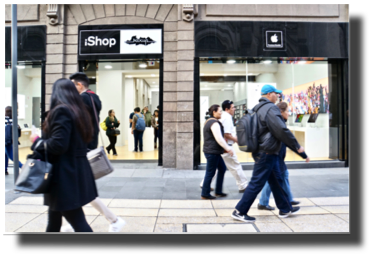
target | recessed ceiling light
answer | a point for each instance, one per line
(153, 82)
(108, 67)
(267, 61)
(142, 65)
(225, 75)
(129, 76)
(250, 74)
(20, 66)
(231, 61)
(301, 62)
(229, 85)
(201, 74)
(152, 75)
(93, 77)
(206, 85)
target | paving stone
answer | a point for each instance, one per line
(14, 221)
(28, 200)
(134, 212)
(168, 228)
(330, 200)
(105, 201)
(308, 210)
(134, 203)
(340, 209)
(186, 204)
(316, 223)
(252, 212)
(272, 227)
(89, 210)
(38, 209)
(224, 203)
(133, 224)
(186, 212)
(343, 216)
(220, 228)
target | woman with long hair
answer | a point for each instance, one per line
(155, 125)
(66, 132)
(111, 122)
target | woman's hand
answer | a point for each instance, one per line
(307, 159)
(118, 121)
(33, 137)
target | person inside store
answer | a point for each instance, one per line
(138, 127)
(66, 132)
(147, 115)
(155, 125)
(9, 139)
(214, 146)
(266, 191)
(112, 132)
(131, 119)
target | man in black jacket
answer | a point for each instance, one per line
(81, 82)
(272, 132)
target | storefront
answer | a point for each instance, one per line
(31, 69)
(124, 64)
(308, 61)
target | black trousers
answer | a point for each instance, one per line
(75, 217)
(156, 135)
(112, 146)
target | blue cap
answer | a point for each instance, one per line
(269, 89)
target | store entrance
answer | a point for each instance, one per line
(125, 87)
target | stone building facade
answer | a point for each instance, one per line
(62, 23)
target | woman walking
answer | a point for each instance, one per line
(66, 133)
(112, 123)
(266, 191)
(9, 139)
(214, 146)
(155, 125)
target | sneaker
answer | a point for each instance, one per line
(244, 218)
(295, 202)
(294, 211)
(117, 226)
(212, 189)
(6, 173)
(265, 207)
(221, 194)
(67, 228)
(210, 197)
(242, 191)
(115, 154)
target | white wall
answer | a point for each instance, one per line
(217, 96)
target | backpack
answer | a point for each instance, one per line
(247, 131)
(140, 124)
(103, 125)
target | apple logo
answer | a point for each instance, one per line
(274, 38)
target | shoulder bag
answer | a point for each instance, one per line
(35, 175)
(98, 159)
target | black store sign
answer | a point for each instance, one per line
(274, 39)
(120, 41)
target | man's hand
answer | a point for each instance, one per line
(307, 160)
(300, 150)
(230, 151)
(132, 132)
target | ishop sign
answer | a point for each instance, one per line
(274, 39)
(120, 41)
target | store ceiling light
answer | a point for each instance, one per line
(225, 75)
(201, 74)
(153, 82)
(129, 76)
(108, 67)
(267, 62)
(142, 65)
(229, 85)
(302, 62)
(152, 75)
(93, 77)
(20, 66)
(231, 61)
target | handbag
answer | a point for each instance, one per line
(35, 175)
(97, 158)
(103, 124)
(116, 132)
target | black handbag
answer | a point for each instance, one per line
(35, 175)
(116, 132)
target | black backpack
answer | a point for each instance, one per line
(247, 131)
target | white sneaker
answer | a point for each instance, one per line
(67, 228)
(117, 226)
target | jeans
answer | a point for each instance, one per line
(75, 217)
(266, 191)
(266, 168)
(9, 155)
(112, 145)
(138, 138)
(214, 161)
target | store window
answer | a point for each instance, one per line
(29, 101)
(305, 83)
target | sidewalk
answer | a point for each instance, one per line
(152, 199)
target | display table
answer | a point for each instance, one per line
(25, 137)
(315, 140)
(148, 140)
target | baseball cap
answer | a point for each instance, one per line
(269, 89)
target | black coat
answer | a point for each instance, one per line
(73, 183)
(86, 96)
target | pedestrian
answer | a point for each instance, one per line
(273, 132)
(266, 191)
(214, 146)
(155, 125)
(230, 136)
(138, 127)
(147, 115)
(112, 123)
(9, 138)
(131, 119)
(66, 132)
(81, 82)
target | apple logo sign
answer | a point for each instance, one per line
(274, 38)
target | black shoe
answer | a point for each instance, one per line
(294, 211)
(242, 191)
(6, 173)
(108, 150)
(212, 189)
(263, 207)
(295, 202)
(243, 218)
(210, 197)
(135, 150)
(115, 154)
(221, 194)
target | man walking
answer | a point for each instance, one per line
(81, 82)
(273, 132)
(230, 136)
(138, 127)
